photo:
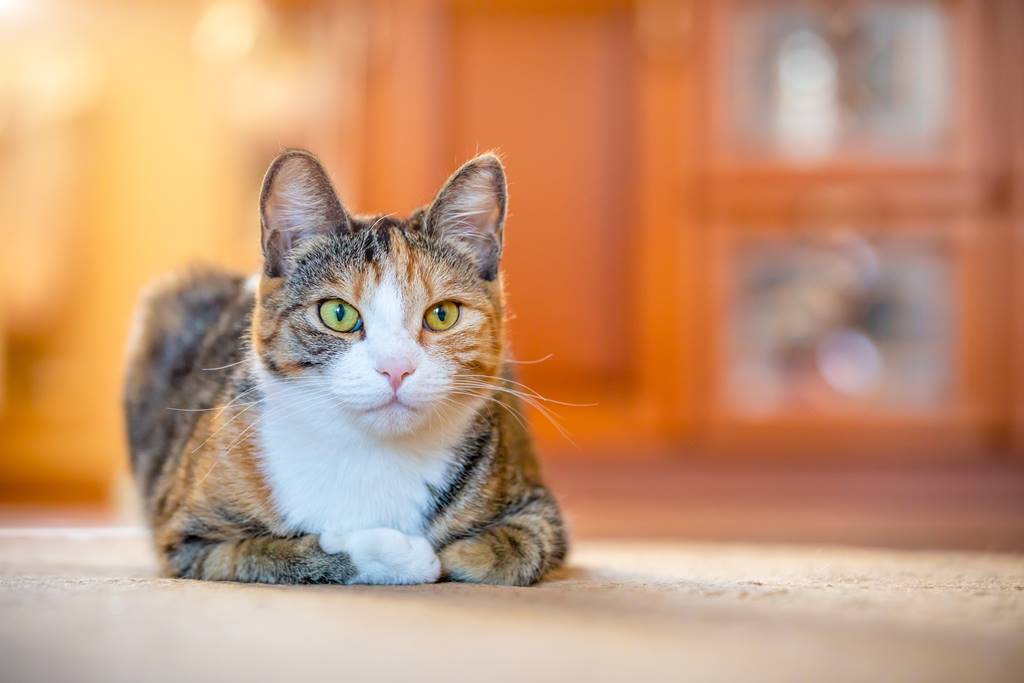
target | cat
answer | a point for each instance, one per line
(346, 415)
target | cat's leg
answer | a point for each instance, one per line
(385, 556)
(517, 549)
(259, 559)
(377, 556)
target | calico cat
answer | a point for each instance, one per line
(346, 416)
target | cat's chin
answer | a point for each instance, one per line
(393, 419)
(398, 420)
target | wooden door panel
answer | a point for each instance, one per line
(550, 92)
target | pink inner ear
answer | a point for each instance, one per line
(297, 201)
(470, 210)
(301, 199)
(487, 221)
(472, 202)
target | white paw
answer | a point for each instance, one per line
(385, 556)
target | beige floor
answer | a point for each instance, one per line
(85, 606)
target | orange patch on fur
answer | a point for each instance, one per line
(469, 559)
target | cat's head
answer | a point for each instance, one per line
(398, 323)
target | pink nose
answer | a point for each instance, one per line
(396, 371)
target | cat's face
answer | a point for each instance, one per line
(397, 324)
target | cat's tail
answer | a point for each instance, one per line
(173, 319)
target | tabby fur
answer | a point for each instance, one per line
(252, 441)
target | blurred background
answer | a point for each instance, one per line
(776, 242)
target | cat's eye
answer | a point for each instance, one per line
(441, 316)
(340, 316)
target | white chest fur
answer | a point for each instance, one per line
(327, 477)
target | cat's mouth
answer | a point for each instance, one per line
(394, 403)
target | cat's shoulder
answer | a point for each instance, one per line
(181, 306)
(190, 290)
(187, 315)
(186, 321)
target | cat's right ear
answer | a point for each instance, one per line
(297, 202)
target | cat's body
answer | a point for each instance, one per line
(270, 447)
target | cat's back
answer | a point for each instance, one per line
(187, 335)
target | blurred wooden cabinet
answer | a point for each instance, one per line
(747, 225)
(856, 275)
(1009, 51)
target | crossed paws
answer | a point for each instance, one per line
(385, 556)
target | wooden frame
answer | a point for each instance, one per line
(1004, 21)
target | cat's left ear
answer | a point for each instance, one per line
(469, 212)
(297, 202)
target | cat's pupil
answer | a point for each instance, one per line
(440, 313)
(339, 313)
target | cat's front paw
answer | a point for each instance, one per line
(385, 556)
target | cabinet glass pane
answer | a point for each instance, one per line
(843, 323)
(812, 80)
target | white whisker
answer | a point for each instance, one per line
(224, 367)
(513, 361)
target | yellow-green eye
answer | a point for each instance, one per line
(441, 316)
(340, 316)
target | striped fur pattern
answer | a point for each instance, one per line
(271, 448)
